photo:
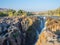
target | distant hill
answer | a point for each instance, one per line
(54, 12)
(3, 9)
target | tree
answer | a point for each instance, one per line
(11, 12)
(30, 13)
(3, 14)
(22, 12)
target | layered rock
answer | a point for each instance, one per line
(20, 30)
(51, 34)
(29, 31)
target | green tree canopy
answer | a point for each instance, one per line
(22, 12)
(3, 14)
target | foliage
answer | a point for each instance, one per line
(55, 12)
(30, 13)
(3, 14)
(11, 12)
(22, 12)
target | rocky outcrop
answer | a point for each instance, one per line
(29, 30)
(51, 33)
(20, 30)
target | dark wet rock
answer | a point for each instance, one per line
(51, 33)
(31, 36)
(21, 31)
(33, 31)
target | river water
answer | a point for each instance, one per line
(43, 20)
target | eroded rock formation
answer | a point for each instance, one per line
(29, 31)
(51, 33)
(20, 30)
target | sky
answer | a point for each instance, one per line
(30, 5)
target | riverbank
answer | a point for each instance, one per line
(51, 33)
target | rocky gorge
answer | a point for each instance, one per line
(51, 32)
(29, 30)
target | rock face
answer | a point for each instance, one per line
(29, 31)
(20, 30)
(51, 33)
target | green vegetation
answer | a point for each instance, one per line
(30, 13)
(3, 14)
(11, 12)
(55, 12)
(21, 12)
